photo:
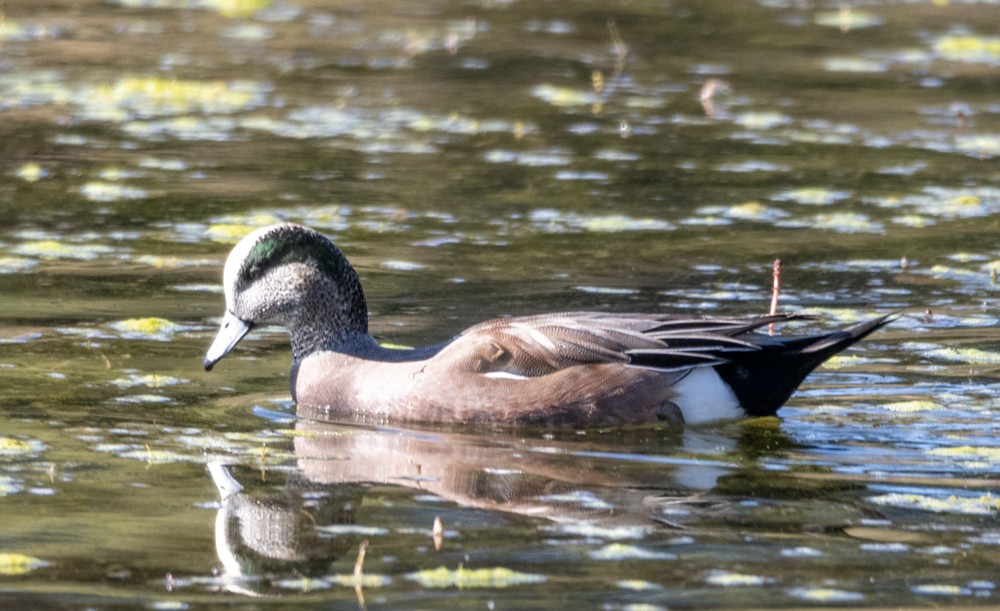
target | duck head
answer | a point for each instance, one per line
(295, 277)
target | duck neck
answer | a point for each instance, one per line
(333, 316)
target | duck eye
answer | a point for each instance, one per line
(254, 272)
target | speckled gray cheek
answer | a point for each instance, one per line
(271, 299)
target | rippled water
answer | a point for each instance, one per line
(479, 159)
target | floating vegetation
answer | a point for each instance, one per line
(620, 551)
(462, 578)
(109, 192)
(752, 165)
(979, 145)
(971, 356)
(401, 266)
(170, 165)
(637, 585)
(19, 564)
(602, 290)
(149, 96)
(940, 589)
(986, 504)
(352, 529)
(761, 120)
(825, 595)
(801, 552)
(859, 65)
(616, 155)
(563, 96)
(553, 157)
(159, 329)
(736, 580)
(555, 221)
(10, 485)
(746, 211)
(10, 446)
(593, 531)
(14, 265)
(813, 196)
(847, 19)
(841, 222)
(150, 380)
(216, 129)
(909, 407)
(143, 398)
(303, 584)
(31, 172)
(365, 580)
(978, 453)
(237, 227)
(968, 48)
(226, 8)
(52, 249)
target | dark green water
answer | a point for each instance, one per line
(476, 159)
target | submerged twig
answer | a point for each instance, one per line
(358, 573)
(708, 91)
(775, 290)
(437, 533)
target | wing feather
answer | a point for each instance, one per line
(539, 345)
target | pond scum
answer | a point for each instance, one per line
(550, 155)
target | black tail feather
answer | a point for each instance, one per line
(764, 379)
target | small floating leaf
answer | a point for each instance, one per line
(365, 580)
(31, 172)
(816, 196)
(146, 328)
(621, 551)
(968, 48)
(151, 380)
(983, 505)
(9, 445)
(109, 192)
(19, 564)
(401, 266)
(854, 64)
(977, 452)
(51, 249)
(498, 577)
(563, 96)
(972, 356)
(728, 579)
(619, 222)
(762, 120)
(847, 19)
(605, 532)
(352, 529)
(940, 589)
(827, 595)
(638, 585)
(912, 406)
(302, 584)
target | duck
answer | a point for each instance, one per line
(565, 369)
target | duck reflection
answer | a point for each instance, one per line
(272, 529)
(635, 477)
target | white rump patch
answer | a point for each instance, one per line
(503, 375)
(703, 397)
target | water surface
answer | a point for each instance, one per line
(476, 159)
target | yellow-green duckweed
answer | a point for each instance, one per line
(464, 578)
(19, 564)
(147, 328)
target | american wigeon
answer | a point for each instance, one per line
(563, 369)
